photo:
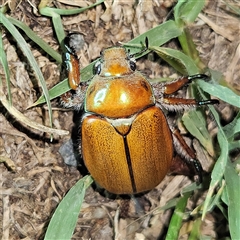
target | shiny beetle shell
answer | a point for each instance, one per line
(127, 145)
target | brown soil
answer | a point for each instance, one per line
(31, 193)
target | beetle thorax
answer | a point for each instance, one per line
(118, 97)
(118, 91)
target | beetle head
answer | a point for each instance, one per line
(115, 62)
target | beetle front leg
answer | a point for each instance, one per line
(188, 155)
(75, 98)
(176, 85)
(163, 91)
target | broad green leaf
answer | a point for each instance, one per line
(188, 10)
(156, 36)
(221, 92)
(178, 60)
(64, 220)
(195, 122)
(232, 128)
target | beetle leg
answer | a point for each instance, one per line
(174, 86)
(178, 104)
(187, 154)
(163, 90)
(73, 70)
(74, 99)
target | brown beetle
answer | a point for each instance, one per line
(127, 142)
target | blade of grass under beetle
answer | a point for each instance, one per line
(63, 86)
(28, 53)
(3, 60)
(168, 31)
(64, 220)
(233, 189)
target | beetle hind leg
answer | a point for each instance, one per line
(176, 85)
(188, 156)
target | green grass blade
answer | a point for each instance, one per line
(47, 11)
(220, 165)
(57, 23)
(188, 11)
(32, 35)
(177, 218)
(189, 48)
(195, 122)
(64, 219)
(28, 53)
(156, 36)
(3, 60)
(232, 128)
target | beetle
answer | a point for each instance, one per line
(127, 140)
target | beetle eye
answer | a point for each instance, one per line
(97, 68)
(132, 65)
